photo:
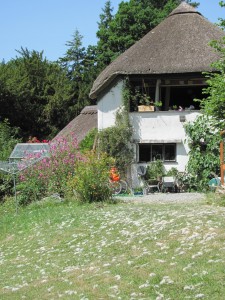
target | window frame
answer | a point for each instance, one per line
(163, 145)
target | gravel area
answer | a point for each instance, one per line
(165, 198)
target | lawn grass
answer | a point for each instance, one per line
(113, 251)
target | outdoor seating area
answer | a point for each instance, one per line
(164, 184)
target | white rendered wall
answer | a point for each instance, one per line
(164, 127)
(148, 127)
(108, 104)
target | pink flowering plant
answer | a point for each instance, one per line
(50, 174)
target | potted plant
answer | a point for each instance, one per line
(146, 103)
(154, 172)
(158, 105)
(138, 191)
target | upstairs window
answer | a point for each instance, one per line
(151, 152)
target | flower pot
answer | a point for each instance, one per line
(146, 108)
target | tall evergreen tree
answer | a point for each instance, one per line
(74, 63)
(74, 56)
(90, 71)
(31, 86)
(105, 53)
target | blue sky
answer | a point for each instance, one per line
(48, 24)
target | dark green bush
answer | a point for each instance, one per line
(8, 140)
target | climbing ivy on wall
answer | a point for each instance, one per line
(116, 140)
(203, 137)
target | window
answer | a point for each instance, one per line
(151, 152)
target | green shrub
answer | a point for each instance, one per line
(155, 170)
(116, 141)
(87, 143)
(8, 140)
(90, 182)
(30, 191)
(172, 172)
(204, 157)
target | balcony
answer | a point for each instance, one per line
(161, 126)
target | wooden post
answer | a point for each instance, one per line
(157, 90)
(222, 163)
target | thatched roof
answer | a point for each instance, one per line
(81, 125)
(179, 44)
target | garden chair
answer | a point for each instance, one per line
(168, 184)
(148, 187)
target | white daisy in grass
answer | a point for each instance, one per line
(166, 280)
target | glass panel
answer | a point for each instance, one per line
(144, 152)
(152, 152)
(157, 152)
(23, 150)
(170, 152)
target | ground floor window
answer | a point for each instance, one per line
(150, 152)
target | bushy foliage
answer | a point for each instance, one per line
(155, 170)
(214, 103)
(8, 140)
(115, 141)
(50, 175)
(91, 178)
(38, 91)
(89, 141)
(204, 158)
(173, 172)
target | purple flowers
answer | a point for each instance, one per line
(50, 174)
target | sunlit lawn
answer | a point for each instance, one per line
(120, 251)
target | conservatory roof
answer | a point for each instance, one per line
(26, 150)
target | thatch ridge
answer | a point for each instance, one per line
(179, 44)
(184, 8)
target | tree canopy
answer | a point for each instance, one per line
(214, 104)
(35, 92)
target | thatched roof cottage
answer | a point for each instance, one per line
(166, 65)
